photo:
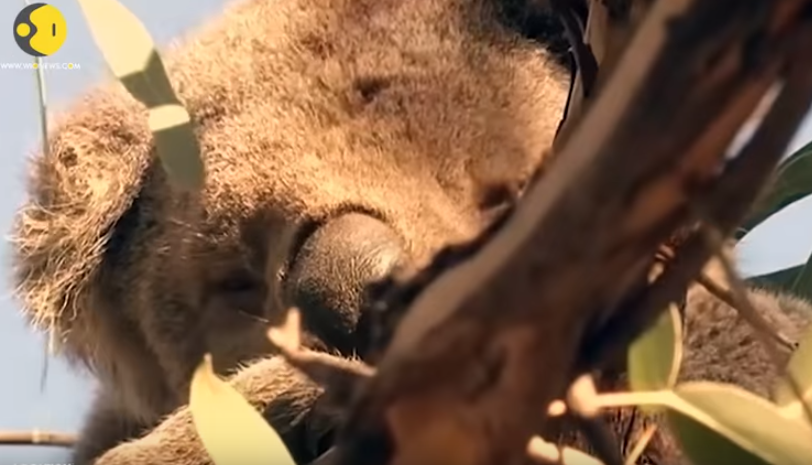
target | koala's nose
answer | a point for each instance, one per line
(330, 273)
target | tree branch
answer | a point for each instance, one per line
(608, 30)
(36, 438)
(487, 346)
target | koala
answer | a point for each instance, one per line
(343, 139)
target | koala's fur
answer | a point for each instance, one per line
(716, 339)
(427, 115)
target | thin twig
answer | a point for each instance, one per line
(596, 52)
(640, 445)
(756, 320)
(587, 65)
(543, 451)
(43, 124)
(339, 376)
(41, 95)
(600, 437)
(581, 402)
(739, 292)
(37, 438)
(327, 458)
(317, 365)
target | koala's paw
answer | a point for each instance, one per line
(174, 441)
(287, 399)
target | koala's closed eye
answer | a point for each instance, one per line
(331, 270)
(242, 292)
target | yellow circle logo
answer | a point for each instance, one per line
(40, 29)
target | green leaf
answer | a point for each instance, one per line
(654, 358)
(792, 182)
(718, 423)
(800, 368)
(796, 280)
(231, 430)
(131, 55)
(778, 280)
(172, 130)
(704, 446)
(802, 287)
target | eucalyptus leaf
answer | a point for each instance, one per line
(791, 182)
(802, 286)
(654, 357)
(172, 129)
(704, 446)
(231, 430)
(130, 53)
(782, 280)
(718, 423)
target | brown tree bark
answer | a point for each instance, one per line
(486, 347)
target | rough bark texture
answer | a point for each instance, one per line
(462, 383)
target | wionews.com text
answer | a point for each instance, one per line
(23, 66)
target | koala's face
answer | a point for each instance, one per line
(341, 138)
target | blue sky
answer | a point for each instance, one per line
(783, 241)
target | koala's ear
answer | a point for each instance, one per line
(78, 192)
